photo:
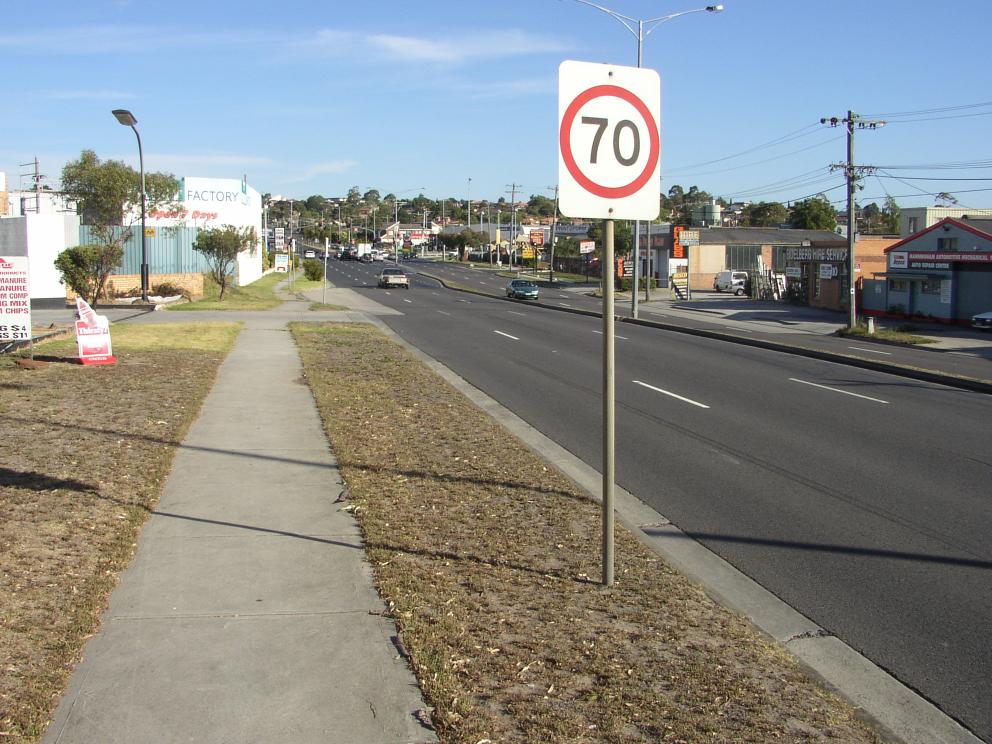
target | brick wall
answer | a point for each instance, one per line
(192, 284)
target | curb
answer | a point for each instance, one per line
(880, 698)
(961, 383)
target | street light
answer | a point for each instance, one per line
(642, 29)
(126, 118)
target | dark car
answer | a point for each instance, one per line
(982, 321)
(521, 289)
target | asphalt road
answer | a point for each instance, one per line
(861, 499)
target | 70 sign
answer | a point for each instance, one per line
(622, 106)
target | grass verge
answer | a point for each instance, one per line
(259, 295)
(84, 452)
(884, 334)
(487, 560)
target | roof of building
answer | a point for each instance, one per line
(765, 236)
(981, 228)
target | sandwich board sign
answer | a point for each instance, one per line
(609, 141)
(15, 303)
(93, 336)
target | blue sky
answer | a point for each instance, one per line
(315, 97)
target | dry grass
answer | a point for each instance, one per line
(84, 452)
(487, 559)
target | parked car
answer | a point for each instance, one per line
(730, 281)
(378, 256)
(393, 277)
(982, 321)
(521, 289)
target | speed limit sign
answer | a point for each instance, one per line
(609, 141)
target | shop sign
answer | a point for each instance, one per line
(827, 271)
(15, 302)
(807, 253)
(92, 335)
(282, 262)
(536, 237)
(974, 257)
(793, 272)
(899, 260)
(587, 246)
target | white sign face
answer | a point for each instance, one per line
(15, 302)
(609, 141)
(587, 246)
(898, 260)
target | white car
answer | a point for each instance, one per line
(982, 321)
(393, 277)
(730, 281)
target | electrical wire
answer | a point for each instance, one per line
(944, 109)
(757, 162)
(797, 134)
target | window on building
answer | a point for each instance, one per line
(914, 224)
(947, 244)
(898, 285)
(930, 287)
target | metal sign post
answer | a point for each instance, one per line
(609, 163)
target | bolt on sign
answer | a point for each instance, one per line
(609, 141)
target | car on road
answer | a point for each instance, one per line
(982, 321)
(310, 254)
(522, 289)
(393, 277)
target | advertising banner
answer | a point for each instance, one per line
(282, 262)
(587, 246)
(93, 336)
(15, 305)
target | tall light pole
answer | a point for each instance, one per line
(126, 118)
(642, 28)
(469, 210)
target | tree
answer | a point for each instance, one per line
(765, 214)
(108, 197)
(221, 246)
(815, 213)
(541, 206)
(891, 214)
(566, 246)
(86, 268)
(622, 237)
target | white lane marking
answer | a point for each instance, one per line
(563, 297)
(507, 335)
(837, 390)
(467, 302)
(435, 294)
(965, 353)
(564, 304)
(623, 338)
(514, 312)
(444, 312)
(873, 351)
(406, 300)
(666, 392)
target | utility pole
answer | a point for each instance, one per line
(852, 172)
(554, 227)
(513, 219)
(469, 202)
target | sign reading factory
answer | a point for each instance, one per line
(212, 202)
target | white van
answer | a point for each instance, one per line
(730, 281)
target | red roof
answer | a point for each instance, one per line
(945, 221)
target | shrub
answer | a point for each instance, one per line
(313, 269)
(166, 289)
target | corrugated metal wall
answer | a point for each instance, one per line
(170, 251)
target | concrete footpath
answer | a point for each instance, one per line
(248, 613)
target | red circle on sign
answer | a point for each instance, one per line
(608, 192)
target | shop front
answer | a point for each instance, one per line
(817, 276)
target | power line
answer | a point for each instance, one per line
(797, 134)
(939, 118)
(932, 111)
(757, 162)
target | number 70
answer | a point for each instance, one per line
(601, 125)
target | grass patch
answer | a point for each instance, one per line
(318, 306)
(259, 295)
(883, 334)
(84, 452)
(487, 559)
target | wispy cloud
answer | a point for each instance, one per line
(456, 46)
(109, 39)
(88, 95)
(207, 164)
(506, 88)
(317, 169)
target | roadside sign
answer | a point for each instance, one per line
(609, 141)
(149, 232)
(689, 237)
(587, 246)
(92, 336)
(536, 237)
(15, 302)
